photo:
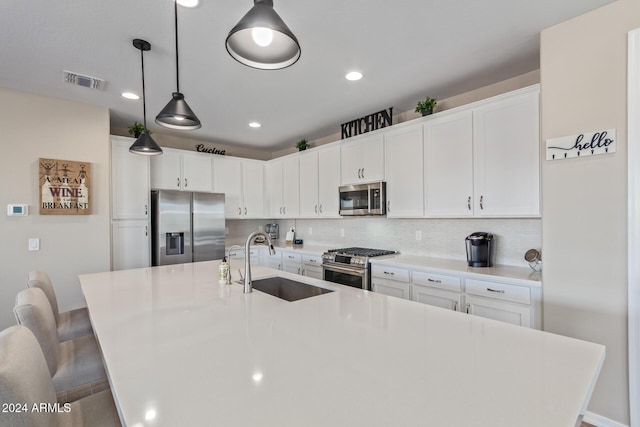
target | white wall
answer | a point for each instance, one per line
(583, 78)
(31, 127)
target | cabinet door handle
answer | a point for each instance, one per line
(363, 173)
(469, 203)
(320, 207)
(315, 209)
(239, 210)
(360, 173)
(146, 230)
(455, 306)
(303, 271)
(146, 209)
(391, 273)
(186, 183)
(298, 270)
(468, 308)
(388, 205)
(434, 280)
(245, 210)
(498, 291)
(178, 182)
(280, 210)
(290, 257)
(481, 202)
(284, 210)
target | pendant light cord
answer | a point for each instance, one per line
(144, 97)
(175, 8)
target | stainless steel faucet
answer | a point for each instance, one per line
(247, 258)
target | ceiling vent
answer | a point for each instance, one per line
(85, 81)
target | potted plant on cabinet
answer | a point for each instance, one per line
(426, 107)
(136, 129)
(302, 144)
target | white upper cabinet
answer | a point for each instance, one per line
(282, 187)
(182, 170)
(363, 159)
(448, 162)
(129, 181)
(242, 182)
(319, 182)
(404, 172)
(506, 138)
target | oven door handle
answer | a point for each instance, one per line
(339, 269)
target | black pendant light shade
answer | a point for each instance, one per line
(177, 114)
(144, 144)
(262, 40)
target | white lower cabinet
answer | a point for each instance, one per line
(312, 266)
(292, 262)
(499, 301)
(390, 281)
(131, 244)
(437, 289)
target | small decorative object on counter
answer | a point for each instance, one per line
(223, 270)
(302, 145)
(426, 107)
(534, 258)
(291, 235)
(297, 241)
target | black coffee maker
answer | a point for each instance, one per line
(480, 249)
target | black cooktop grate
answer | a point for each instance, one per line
(362, 252)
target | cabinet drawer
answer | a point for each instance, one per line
(291, 258)
(390, 273)
(440, 281)
(312, 260)
(499, 291)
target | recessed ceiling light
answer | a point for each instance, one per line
(353, 76)
(188, 3)
(130, 95)
(255, 124)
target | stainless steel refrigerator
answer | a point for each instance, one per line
(186, 227)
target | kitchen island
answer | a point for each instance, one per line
(182, 349)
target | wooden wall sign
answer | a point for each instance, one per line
(366, 124)
(64, 187)
(585, 144)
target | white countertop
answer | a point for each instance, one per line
(515, 274)
(182, 350)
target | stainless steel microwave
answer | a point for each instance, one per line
(363, 199)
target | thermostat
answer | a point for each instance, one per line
(17, 210)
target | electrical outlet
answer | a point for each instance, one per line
(260, 228)
(342, 232)
(34, 244)
(310, 231)
(418, 234)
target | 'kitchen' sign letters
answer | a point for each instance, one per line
(585, 144)
(366, 124)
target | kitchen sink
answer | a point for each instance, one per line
(288, 289)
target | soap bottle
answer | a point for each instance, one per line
(223, 270)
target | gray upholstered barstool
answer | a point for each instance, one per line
(75, 365)
(25, 380)
(71, 324)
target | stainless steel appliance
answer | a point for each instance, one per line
(350, 266)
(186, 227)
(480, 249)
(272, 231)
(363, 199)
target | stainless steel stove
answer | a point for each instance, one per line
(350, 266)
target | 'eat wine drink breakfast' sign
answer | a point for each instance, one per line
(64, 187)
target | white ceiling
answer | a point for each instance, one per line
(406, 49)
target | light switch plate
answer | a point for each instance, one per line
(418, 234)
(34, 244)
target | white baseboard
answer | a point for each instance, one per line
(600, 421)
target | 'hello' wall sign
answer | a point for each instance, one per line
(585, 144)
(366, 124)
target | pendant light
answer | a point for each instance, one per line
(177, 114)
(144, 144)
(262, 40)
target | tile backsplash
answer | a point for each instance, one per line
(439, 238)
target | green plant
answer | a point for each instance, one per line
(302, 144)
(426, 106)
(137, 128)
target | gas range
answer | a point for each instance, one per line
(355, 256)
(350, 266)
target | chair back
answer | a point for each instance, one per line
(33, 310)
(40, 279)
(24, 380)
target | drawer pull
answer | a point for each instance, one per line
(313, 260)
(455, 306)
(498, 291)
(390, 273)
(434, 281)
